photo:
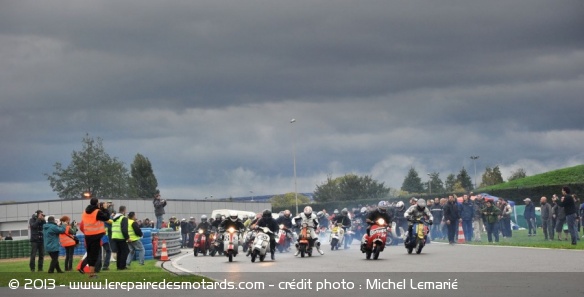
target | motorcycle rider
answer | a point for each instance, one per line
(415, 213)
(206, 227)
(286, 220)
(401, 222)
(311, 221)
(268, 221)
(217, 221)
(232, 221)
(379, 213)
(345, 221)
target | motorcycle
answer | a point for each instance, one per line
(248, 238)
(375, 242)
(304, 241)
(283, 239)
(261, 244)
(200, 245)
(337, 236)
(417, 240)
(230, 243)
(212, 247)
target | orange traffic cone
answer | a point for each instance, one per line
(164, 253)
(460, 233)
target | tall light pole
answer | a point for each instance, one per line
(430, 183)
(251, 192)
(474, 159)
(292, 121)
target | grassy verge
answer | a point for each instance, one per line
(18, 269)
(521, 238)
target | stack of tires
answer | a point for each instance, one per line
(4, 249)
(172, 238)
(14, 249)
(147, 243)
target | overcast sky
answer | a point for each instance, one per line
(206, 90)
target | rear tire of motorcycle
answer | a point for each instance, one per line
(410, 250)
(230, 257)
(196, 252)
(376, 252)
(368, 255)
(262, 258)
(254, 254)
(302, 254)
(419, 247)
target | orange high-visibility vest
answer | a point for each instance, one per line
(91, 226)
(65, 239)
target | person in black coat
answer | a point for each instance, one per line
(36, 224)
(451, 216)
(268, 221)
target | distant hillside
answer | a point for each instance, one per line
(565, 176)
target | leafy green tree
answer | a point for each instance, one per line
(288, 199)
(450, 183)
(517, 174)
(492, 176)
(412, 182)
(465, 180)
(350, 187)
(436, 183)
(91, 169)
(143, 182)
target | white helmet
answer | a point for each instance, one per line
(363, 209)
(399, 205)
(233, 216)
(421, 203)
(203, 218)
(308, 211)
(382, 206)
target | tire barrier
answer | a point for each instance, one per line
(173, 241)
(14, 249)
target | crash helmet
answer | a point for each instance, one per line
(421, 204)
(218, 216)
(203, 218)
(233, 216)
(363, 210)
(308, 211)
(336, 212)
(345, 211)
(267, 213)
(399, 205)
(382, 206)
(319, 214)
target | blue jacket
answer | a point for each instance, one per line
(51, 236)
(466, 210)
(529, 212)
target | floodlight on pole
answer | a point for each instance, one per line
(292, 121)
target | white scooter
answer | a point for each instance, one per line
(261, 244)
(231, 243)
(337, 236)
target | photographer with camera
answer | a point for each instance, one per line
(92, 225)
(159, 205)
(35, 225)
(491, 216)
(68, 240)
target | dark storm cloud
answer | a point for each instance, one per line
(205, 89)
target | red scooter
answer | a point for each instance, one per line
(200, 245)
(375, 242)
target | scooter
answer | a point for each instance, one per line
(304, 241)
(417, 240)
(283, 239)
(261, 244)
(337, 236)
(230, 243)
(200, 245)
(212, 247)
(375, 242)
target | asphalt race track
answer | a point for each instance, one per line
(440, 270)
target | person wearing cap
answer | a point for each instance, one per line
(529, 215)
(35, 225)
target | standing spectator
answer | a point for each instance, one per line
(529, 215)
(159, 205)
(134, 243)
(191, 228)
(174, 223)
(184, 232)
(36, 239)
(67, 241)
(9, 236)
(92, 225)
(467, 215)
(478, 222)
(570, 210)
(505, 218)
(581, 216)
(546, 219)
(451, 217)
(560, 214)
(51, 241)
(491, 215)
(120, 237)
(554, 215)
(436, 211)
